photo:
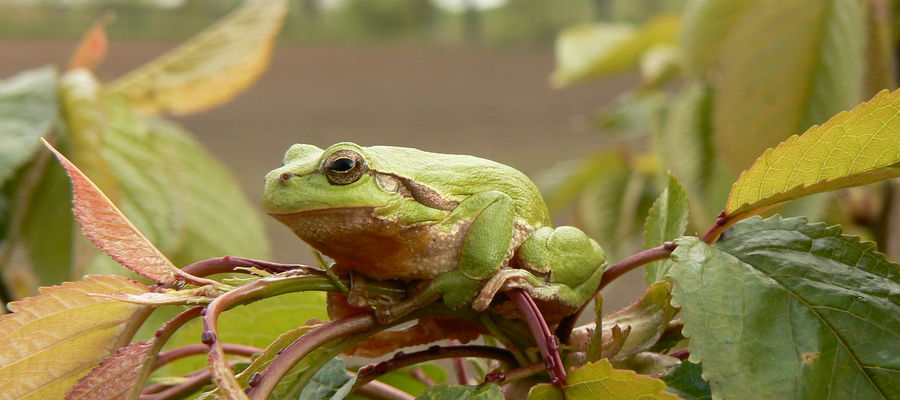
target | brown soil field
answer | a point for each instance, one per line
(492, 103)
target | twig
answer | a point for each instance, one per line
(541, 332)
(514, 374)
(196, 380)
(564, 329)
(401, 359)
(723, 220)
(199, 348)
(265, 287)
(227, 264)
(419, 374)
(279, 367)
(462, 376)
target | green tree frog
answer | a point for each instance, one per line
(467, 227)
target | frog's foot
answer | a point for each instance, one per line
(454, 287)
(426, 330)
(504, 280)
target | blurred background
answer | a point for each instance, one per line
(453, 76)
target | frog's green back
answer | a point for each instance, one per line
(459, 176)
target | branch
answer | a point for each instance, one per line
(262, 288)
(723, 221)
(266, 381)
(199, 348)
(228, 264)
(514, 374)
(541, 332)
(196, 380)
(401, 359)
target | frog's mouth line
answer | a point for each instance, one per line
(325, 210)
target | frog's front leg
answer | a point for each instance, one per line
(490, 239)
(570, 262)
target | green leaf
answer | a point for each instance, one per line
(269, 319)
(209, 69)
(779, 306)
(705, 25)
(331, 382)
(633, 114)
(852, 148)
(685, 143)
(602, 49)
(686, 382)
(646, 318)
(28, 111)
(666, 221)
(567, 180)
(48, 226)
(490, 391)
(781, 75)
(600, 381)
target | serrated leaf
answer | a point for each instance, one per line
(600, 381)
(666, 221)
(116, 377)
(192, 296)
(106, 226)
(648, 363)
(781, 75)
(52, 340)
(706, 24)
(647, 318)
(852, 148)
(27, 111)
(686, 382)
(792, 305)
(209, 69)
(601, 49)
(489, 391)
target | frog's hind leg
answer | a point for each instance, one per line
(561, 265)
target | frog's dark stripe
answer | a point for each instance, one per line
(421, 193)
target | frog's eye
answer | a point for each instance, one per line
(344, 167)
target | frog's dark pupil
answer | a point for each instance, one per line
(342, 164)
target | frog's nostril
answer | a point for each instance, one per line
(286, 176)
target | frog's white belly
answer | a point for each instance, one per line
(376, 247)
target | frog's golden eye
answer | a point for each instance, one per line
(344, 167)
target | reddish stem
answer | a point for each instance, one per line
(713, 233)
(541, 332)
(196, 380)
(382, 391)
(228, 264)
(514, 374)
(401, 359)
(199, 348)
(315, 338)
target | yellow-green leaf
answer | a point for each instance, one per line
(852, 148)
(596, 50)
(52, 340)
(705, 25)
(600, 381)
(209, 69)
(785, 66)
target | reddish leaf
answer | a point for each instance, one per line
(116, 377)
(91, 51)
(113, 233)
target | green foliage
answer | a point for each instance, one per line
(331, 382)
(666, 221)
(455, 392)
(793, 305)
(28, 110)
(779, 76)
(686, 382)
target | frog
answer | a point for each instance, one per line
(462, 229)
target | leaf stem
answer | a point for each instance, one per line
(401, 359)
(196, 380)
(681, 354)
(199, 348)
(265, 287)
(228, 264)
(545, 340)
(315, 338)
(514, 374)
